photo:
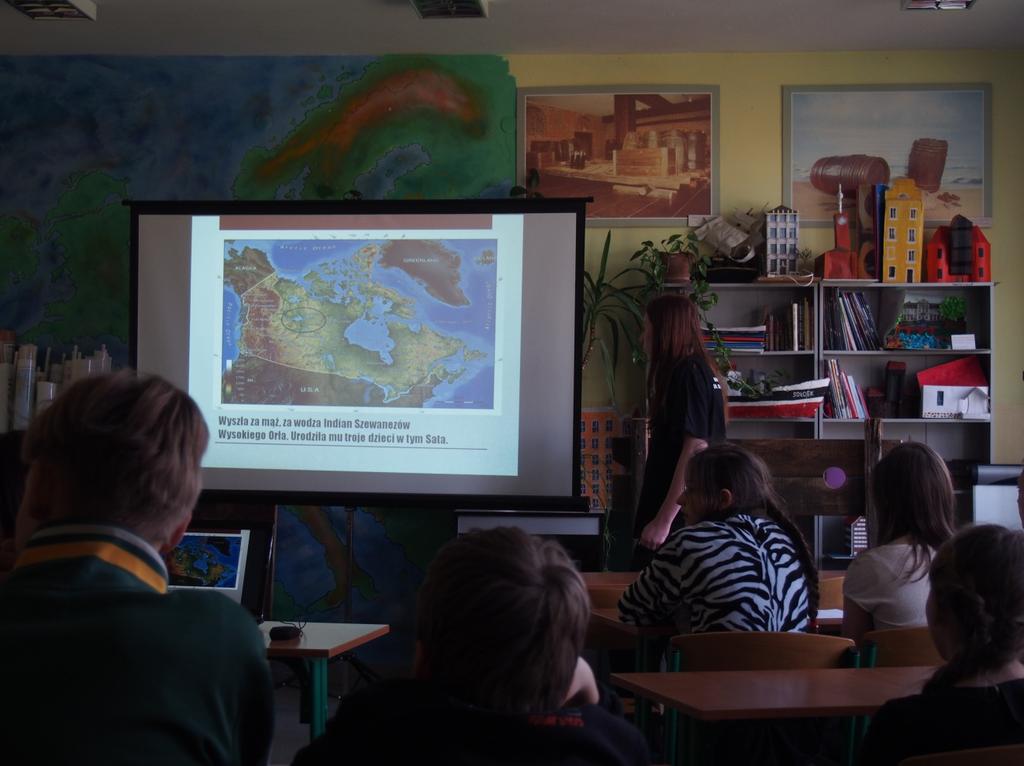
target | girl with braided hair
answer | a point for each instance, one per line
(976, 618)
(739, 564)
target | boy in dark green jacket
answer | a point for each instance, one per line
(98, 662)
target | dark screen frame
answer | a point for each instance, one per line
(572, 502)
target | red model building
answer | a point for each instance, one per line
(841, 261)
(958, 253)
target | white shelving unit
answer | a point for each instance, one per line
(967, 439)
(744, 305)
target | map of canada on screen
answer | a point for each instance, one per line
(384, 323)
(209, 560)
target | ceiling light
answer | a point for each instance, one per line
(937, 5)
(451, 9)
(56, 9)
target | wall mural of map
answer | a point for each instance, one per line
(79, 134)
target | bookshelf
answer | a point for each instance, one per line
(746, 304)
(967, 440)
(961, 439)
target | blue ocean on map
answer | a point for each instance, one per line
(232, 327)
(206, 560)
(331, 261)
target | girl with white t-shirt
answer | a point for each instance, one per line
(887, 586)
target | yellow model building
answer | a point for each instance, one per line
(903, 235)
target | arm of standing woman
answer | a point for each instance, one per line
(654, 534)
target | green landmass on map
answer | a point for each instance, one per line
(444, 104)
(293, 346)
(183, 564)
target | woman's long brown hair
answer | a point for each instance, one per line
(674, 334)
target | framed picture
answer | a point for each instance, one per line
(938, 135)
(648, 155)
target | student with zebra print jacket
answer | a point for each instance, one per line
(739, 564)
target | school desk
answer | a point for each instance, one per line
(765, 694)
(319, 642)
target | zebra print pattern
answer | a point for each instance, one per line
(742, 573)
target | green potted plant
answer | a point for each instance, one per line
(673, 259)
(613, 311)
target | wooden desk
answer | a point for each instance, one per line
(608, 579)
(764, 694)
(740, 694)
(645, 642)
(319, 643)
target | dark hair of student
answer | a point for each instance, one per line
(129, 448)
(745, 475)
(977, 583)
(913, 495)
(675, 334)
(501, 617)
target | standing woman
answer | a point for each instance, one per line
(687, 404)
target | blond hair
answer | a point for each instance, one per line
(127, 447)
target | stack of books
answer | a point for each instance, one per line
(737, 338)
(790, 328)
(844, 399)
(849, 323)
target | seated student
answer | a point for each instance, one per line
(976, 618)
(98, 662)
(740, 564)
(887, 586)
(500, 622)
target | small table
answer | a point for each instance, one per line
(762, 694)
(320, 642)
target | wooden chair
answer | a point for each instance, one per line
(901, 647)
(1006, 755)
(830, 590)
(761, 651)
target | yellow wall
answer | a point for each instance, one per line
(750, 138)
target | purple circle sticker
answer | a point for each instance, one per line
(835, 477)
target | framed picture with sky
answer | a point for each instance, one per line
(648, 155)
(938, 135)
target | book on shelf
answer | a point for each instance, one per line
(844, 399)
(789, 328)
(737, 338)
(849, 322)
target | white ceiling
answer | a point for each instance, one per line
(282, 27)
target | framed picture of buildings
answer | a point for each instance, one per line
(648, 155)
(860, 135)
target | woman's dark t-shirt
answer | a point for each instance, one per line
(693, 405)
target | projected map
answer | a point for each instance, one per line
(205, 561)
(391, 323)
